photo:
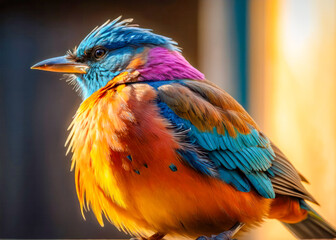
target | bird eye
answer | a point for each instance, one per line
(99, 53)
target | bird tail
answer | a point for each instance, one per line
(313, 227)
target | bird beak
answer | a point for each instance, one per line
(61, 64)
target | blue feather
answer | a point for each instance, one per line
(220, 160)
(224, 155)
(262, 184)
(242, 161)
(195, 161)
(235, 179)
(117, 34)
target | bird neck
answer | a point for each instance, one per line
(150, 64)
(164, 64)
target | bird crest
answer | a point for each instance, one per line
(120, 33)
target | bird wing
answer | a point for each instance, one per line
(223, 141)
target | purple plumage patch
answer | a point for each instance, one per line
(165, 64)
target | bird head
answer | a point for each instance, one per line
(117, 47)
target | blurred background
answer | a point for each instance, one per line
(277, 58)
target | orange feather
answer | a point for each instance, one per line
(144, 195)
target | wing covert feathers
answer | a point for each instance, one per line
(225, 132)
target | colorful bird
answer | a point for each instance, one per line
(158, 150)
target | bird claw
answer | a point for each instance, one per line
(227, 235)
(203, 238)
(156, 236)
(222, 236)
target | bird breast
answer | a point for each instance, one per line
(127, 168)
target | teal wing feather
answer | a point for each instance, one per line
(228, 142)
(224, 142)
